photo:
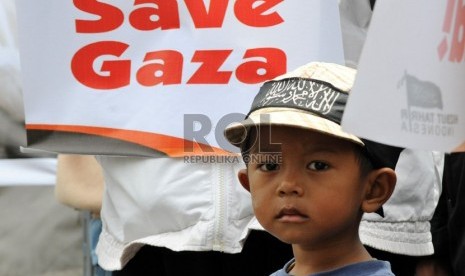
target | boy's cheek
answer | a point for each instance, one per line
(259, 195)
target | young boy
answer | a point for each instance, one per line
(309, 180)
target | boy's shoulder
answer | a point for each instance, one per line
(367, 268)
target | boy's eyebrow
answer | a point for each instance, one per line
(318, 146)
(322, 148)
(266, 151)
(267, 148)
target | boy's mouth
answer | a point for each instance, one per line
(291, 214)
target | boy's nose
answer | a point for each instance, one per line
(290, 186)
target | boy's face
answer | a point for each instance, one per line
(314, 196)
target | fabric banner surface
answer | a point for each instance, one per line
(159, 77)
(409, 89)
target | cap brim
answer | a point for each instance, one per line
(236, 133)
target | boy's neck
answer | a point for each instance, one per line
(332, 256)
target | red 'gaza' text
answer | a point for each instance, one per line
(166, 66)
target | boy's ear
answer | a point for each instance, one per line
(244, 179)
(380, 186)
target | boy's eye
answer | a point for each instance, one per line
(318, 166)
(269, 167)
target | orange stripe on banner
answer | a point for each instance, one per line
(172, 146)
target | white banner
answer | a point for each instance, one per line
(158, 73)
(410, 86)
